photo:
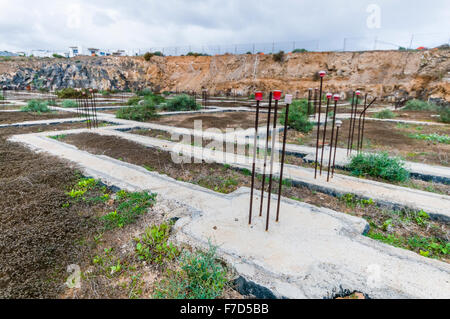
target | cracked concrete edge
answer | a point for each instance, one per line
(263, 283)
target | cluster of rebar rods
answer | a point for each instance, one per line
(87, 107)
(276, 96)
(205, 98)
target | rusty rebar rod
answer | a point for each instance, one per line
(277, 95)
(288, 100)
(364, 119)
(255, 147)
(350, 125)
(265, 154)
(336, 99)
(324, 131)
(315, 101)
(354, 120)
(309, 101)
(318, 125)
(338, 125)
(359, 123)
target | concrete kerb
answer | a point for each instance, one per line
(325, 253)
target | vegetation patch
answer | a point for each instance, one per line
(140, 113)
(419, 105)
(69, 103)
(444, 114)
(181, 103)
(68, 93)
(153, 245)
(130, 207)
(298, 118)
(435, 138)
(36, 106)
(201, 276)
(384, 114)
(379, 165)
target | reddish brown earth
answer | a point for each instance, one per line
(16, 117)
(243, 120)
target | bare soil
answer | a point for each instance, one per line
(384, 136)
(38, 236)
(16, 117)
(243, 120)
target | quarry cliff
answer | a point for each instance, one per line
(386, 74)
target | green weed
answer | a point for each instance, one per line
(379, 165)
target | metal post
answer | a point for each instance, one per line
(364, 120)
(338, 125)
(359, 123)
(277, 96)
(309, 101)
(265, 154)
(336, 99)
(350, 126)
(258, 95)
(325, 131)
(354, 120)
(322, 74)
(288, 100)
(315, 102)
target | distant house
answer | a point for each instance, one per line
(93, 51)
(74, 51)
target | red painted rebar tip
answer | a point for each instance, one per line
(277, 95)
(358, 93)
(329, 96)
(322, 74)
(336, 97)
(258, 96)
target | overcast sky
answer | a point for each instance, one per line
(46, 24)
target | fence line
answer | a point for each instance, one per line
(429, 40)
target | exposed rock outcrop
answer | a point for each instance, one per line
(386, 74)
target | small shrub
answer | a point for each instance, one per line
(51, 102)
(69, 103)
(444, 114)
(196, 54)
(419, 105)
(36, 106)
(182, 103)
(68, 93)
(299, 50)
(2, 97)
(58, 56)
(131, 206)
(134, 100)
(379, 165)
(201, 277)
(148, 56)
(384, 114)
(153, 246)
(140, 113)
(278, 57)
(298, 118)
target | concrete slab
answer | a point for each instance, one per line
(311, 253)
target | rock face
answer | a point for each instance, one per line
(386, 74)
